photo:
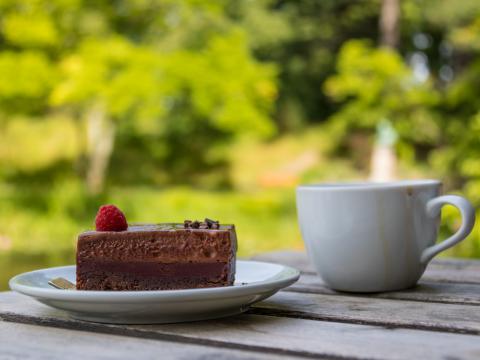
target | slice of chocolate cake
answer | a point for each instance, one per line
(157, 257)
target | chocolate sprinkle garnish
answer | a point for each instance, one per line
(196, 224)
(210, 221)
(207, 224)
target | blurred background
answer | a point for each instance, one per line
(175, 109)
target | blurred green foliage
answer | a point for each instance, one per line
(185, 108)
(149, 71)
(375, 84)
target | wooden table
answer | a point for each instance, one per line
(439, 319)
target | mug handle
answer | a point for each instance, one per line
(467, 211)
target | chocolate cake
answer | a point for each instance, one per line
(157, 257)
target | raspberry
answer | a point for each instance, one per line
(110, 218)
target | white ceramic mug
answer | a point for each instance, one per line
(370, 237)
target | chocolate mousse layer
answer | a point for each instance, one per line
(156, 257)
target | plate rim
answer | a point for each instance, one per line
(291, 276)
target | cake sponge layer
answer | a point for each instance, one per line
(152, 276)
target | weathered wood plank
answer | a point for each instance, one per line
(437, 285)
(441, 270)
(296, 259)
(373, 311)
(449, 293)
(436, 271)
(21, 341)
(270, 334)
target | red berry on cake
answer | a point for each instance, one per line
(110, 218)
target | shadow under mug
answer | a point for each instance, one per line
(372, 237)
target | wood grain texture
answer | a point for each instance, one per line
(21, 341)
(373, 311)
(439, 319)
(448, 293)
(269, 334)
(439, 270)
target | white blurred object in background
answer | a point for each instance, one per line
(383, 166)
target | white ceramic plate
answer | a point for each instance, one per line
(254, 281)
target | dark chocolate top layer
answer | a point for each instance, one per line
(169, 242)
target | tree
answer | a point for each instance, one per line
(302, 37)
(119, 69)
(374, 84)
(389, 23)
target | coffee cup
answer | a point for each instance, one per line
(373, 237)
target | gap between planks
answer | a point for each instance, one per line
(372, 311)
(439, 270)
(445, 293)
(23, 341)
(139, 332)
(269, 334)
(430, 289)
